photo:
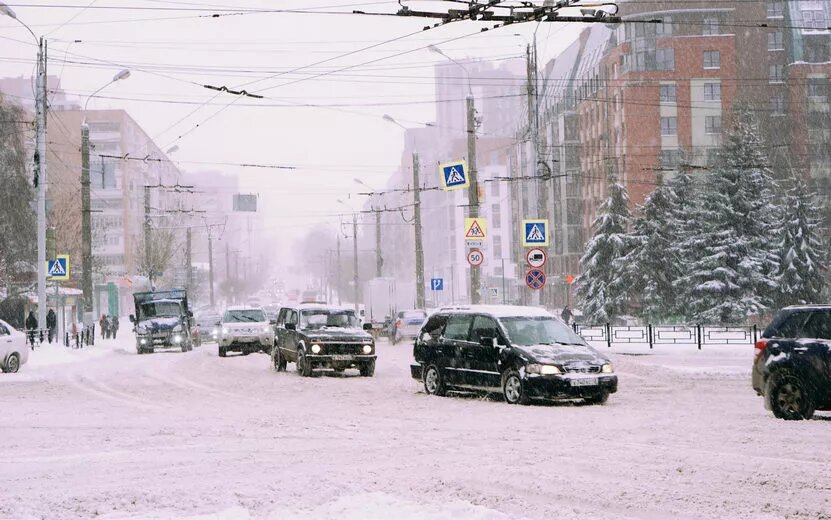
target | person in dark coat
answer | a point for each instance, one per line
(103, 324)
(567, 315)
(52, 324)
(114, 326)
(31, 326)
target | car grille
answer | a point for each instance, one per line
(341, 348)
(582, 370)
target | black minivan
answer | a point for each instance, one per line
(523, 352)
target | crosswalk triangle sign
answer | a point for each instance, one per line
(455, 177)
(535, 235)
(57, 269)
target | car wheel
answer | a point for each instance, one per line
(12, 363)
(278, 360)
(221, 352)
(368, 369)
(304, 367)
(600, 398)
(434, 381)
(789, 398)
(513, 388)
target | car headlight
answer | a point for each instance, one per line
(544, 370)
(225, 331)
(266, 329)
(367, 349)
(607, 368)
(177, 338)
(143, 341)
(315, 349)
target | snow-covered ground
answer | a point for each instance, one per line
(104, 432)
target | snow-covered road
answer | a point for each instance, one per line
(111, 434)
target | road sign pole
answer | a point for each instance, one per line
(473, 188)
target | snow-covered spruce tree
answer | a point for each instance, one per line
(802, 257)
(650, 266)
(601, 289)
(734, 272)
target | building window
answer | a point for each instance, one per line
(777, 105)
(818, 88)
(776, 9)
(712, 59)
(813, 19)
(669, 126)
(670, 159)
(665, 27)
(668, 93)
(710, 26)
(816, 50)
(712, 124)
(665, 59)
(776, 41)
(496, 216)
(776, 74)
(712, 92)
(497, 246)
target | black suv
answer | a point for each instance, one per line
(792, 365)
(322, 336)
(522, 352)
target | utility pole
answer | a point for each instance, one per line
(210, 264)
(473, 189)
(86, 222)
(419, 247)
(188, 263)
(357, 292)
(534, 128)
(337, 275)
(148, 247)
(40, 178)
(379, 260)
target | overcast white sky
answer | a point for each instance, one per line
(172, 52)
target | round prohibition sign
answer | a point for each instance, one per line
(475, 257)
(535, 279)
(536, 258)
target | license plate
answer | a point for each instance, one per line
(341, 357)
(589, 381)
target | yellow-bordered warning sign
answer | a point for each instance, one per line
(476, 228)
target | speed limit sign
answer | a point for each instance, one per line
(475, 257)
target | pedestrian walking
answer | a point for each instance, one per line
(31, 327)
(74, 337)
(567, 315)
(115, 326)
(52, 324)
(103, 324)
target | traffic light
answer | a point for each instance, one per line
(51, 244)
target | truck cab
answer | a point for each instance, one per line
(162, 320)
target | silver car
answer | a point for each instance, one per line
(14, 351)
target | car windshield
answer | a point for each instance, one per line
(412, 315)
(541, 330)
(325, 318)
(244, 315)
(160, 309)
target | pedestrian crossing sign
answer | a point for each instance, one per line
(535, 233)
(476, 229)
(58, 269)
(454, 175)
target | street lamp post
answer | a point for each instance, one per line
(356, 279)
(40, 162)
(473, 188)
(419, 247)
(86, 218)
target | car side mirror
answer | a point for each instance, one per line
(367, 326)
(488, 342)
(132, 319)
(272, 322)
(291, 326)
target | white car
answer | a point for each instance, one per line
(13, 348)
(245, 330)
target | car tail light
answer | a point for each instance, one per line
(760, 347)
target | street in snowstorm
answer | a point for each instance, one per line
(102, 432)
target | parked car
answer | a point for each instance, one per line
(407, 325)
(523, 352)
(792, 363)
(245, 329)
(14, 351)
(323, 336)
(207, 321)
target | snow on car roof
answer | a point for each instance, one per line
(243, 308)
(324, 306)
(499, 311)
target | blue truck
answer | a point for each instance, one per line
(162, 320)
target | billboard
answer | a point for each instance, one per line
(245, 202)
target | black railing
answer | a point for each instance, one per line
(698, 335)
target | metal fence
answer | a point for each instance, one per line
(698, 335)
